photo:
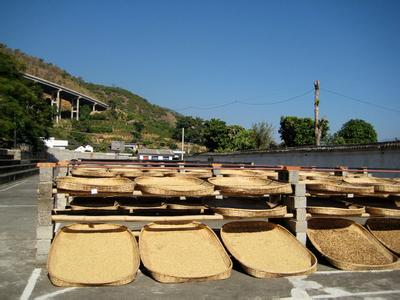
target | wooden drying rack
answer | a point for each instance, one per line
(51, 203)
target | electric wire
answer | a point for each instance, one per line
(361, 101)
(246, 103)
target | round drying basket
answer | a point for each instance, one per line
(174, 186)
(236, 172)
(127, 172)
(133, 203)
(251, 186)
(337, 186)
(267, 250)
(92, 172)
(93, 203)
(333, 207)
(349, 246)
(83, 255)
(193, 250)
(99, 185)
(387, 231)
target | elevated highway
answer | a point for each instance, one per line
(57, 93)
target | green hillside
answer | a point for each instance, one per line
(131, 118)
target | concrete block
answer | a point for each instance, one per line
(43, 246)
(302, 237)
(45, 189)
(301, 214)
(44, 218)
(44, 232)
(217, 172)
(299, 189)
(46, 174)
(291, 176)
(294, 202)
(296, 226)
(45, 204)
(60, 171)
(60, 201)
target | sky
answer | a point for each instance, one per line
(196, 57)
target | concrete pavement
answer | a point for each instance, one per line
(21, 278)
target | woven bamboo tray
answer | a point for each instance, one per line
(387, 231)
(235, 172)
(183, 252)
(134, 203)
(198, 173)
(313, 175)
(336, 186)
(267, 250)
(95, 185)
(379, 207)
(381, 185)
(174, 186)
(93, 203)
(158, 172)
(250, 186)
(95, 254)
(334, 208)
(92, 172)
(126, 172)
(349, 246)
(265, 174)
(246, 208)
(186, 204)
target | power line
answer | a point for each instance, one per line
(246, 103)
(361, 101)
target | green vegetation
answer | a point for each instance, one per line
(355, 131)
(296, 131)
(24, 116)
(132, 118)
(263, 134)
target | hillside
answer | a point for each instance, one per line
(131, 117)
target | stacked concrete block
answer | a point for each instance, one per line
(341, 171)
(45, 204)
(216, 169)
(296, 203)
(62, 169)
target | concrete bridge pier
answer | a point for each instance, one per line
(55, 100)
(75, 108)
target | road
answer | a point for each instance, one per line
(21, 278)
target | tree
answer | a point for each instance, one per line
(356, 131)
(23, 113)
(296, 131)
(215, 134)
(263, 132)
(137, 130)
(239, 138)
(194, 129)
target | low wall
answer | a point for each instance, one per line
(55, 155)
(379, 156)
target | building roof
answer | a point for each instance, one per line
(155, 152)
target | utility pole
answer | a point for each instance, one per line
(183, 142)
(317, 128)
